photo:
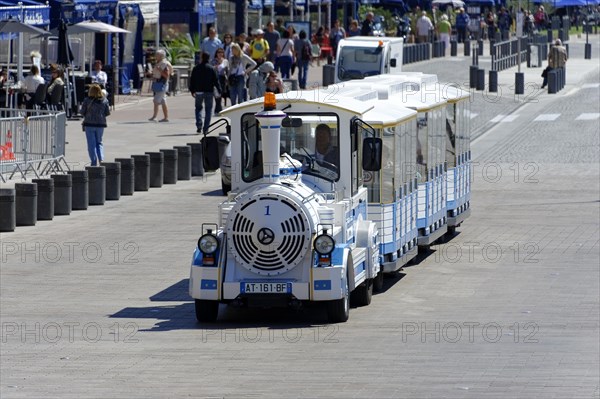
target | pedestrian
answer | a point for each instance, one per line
(303, 56)
(367, 25)
(243, 43)
(259, 47)
(227, 42)
(211, 43)
(540, 18)
(462, 23)
(221, 65)
(490, 21)
(161, 72)
(273, 84)
(240, 66)
(98, 75)
(272, 37)
(557, 59)
(202, 86)
(337, 33)
(504, 23)
(56, 83)
(424, 26)
(444, 29)
(257, 79)
(285, 58)
(95, 109)
(353, 30)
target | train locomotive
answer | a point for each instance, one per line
(299, 226)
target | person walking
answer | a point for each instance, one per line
(303, 56)
(337, 33)
(444, 29)
(272, 37)
(259, 47)
(161, 73)
(221, 65)
(211, 43)
(285, 58)
(240, 66)
(462, 23)
(95, 109)
(202, 86)
(424, 26)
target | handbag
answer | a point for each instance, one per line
(545, 72)
(234, 79)
(159, 85)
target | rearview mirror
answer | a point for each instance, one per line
(291, 122)
(371, 156)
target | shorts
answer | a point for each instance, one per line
(160, 97)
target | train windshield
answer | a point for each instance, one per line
(313, 140)
(359, 62)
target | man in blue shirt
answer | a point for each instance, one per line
(211, 43)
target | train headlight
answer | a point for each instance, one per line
(324, 244)
(208, 244)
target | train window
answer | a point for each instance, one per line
(422, 147)
(452, 144)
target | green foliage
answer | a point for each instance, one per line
(181, 50)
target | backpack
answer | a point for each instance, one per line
(306, 52)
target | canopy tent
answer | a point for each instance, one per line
(453, 3)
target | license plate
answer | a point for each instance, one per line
(265, 288)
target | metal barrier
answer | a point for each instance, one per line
(505, 55)
(32, 141)
(416, 52)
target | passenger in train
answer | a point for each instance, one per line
(324, 149)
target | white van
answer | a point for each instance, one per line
(361, 56)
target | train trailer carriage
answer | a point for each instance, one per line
(431, 171)
(294, 227)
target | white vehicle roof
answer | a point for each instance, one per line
(409, 97)
(323, 98)
(374, 40)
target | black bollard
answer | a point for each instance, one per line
(80, 189)
(97, 184)
(473, 76)
(113, 180)
(157, 160)
(467, 48)
(63, 194)
(184, 162)
(550, 35)
(142, 172)
(26, 204)
(170, 166)
(45, 199)
(480, 47)
(7, 210)
(552, 82)
(197, 159)
(588, 51)
(480, 79)
(519, 83)
(453, 48)
(493, 78)
(127, 175)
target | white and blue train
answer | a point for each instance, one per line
(299, 226)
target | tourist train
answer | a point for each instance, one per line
(330, 190)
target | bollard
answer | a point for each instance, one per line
(26, 204)
(467, 48)
(184, 162)
(97, 185)
(473, 76)
(552, 82)
(493, 78)
(80, 189)
(7, 210)
(157, 161)
(127, 175)
(63, 194)
(197, 160)
(453, 48)
(113, 180)
(519, 83)
(142, 172)
(170, 166)
(480, 47)
(480, 79)
(45, 199)
(588, 51)
(550, 35)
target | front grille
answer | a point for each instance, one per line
(268, 234)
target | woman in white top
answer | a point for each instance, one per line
(98, 75)
(285, 51)
(240, 66)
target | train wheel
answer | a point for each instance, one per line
(338, 310)
(378, 282)
(206, 311)
(362, 295)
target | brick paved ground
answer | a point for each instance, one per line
(95, 304)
